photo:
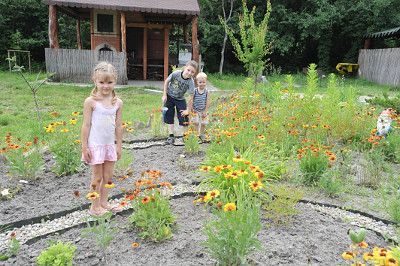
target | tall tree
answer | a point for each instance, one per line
(226, 19)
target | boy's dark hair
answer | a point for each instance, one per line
(193, 64)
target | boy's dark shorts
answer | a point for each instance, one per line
(179, 105)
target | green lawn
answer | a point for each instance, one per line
(18, 113)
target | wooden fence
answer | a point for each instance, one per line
(72, 65)
(380, 65)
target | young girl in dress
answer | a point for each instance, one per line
(101, 135)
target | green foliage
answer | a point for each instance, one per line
(66, 154)
(232, 235)
(157, 124)
(13, 249)
(357, 236)
(393, 206)
(281, 207)
(123, 165)
(386, 102)
(252, 46)
(313, 165)
(330, 183)
(57, 254)
(312, 79)
(102, 231)
(191, 141)
(391, 147)
(28, 164)
(152, 216)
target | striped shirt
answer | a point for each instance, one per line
(200, 100)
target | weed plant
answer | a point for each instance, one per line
(281, 206)
(312, 166)
(102, 232)
(331, 183)
(24, 163)
(66, 154)
(232, 234)
(191, 141)
(157, 126)
(60, 254)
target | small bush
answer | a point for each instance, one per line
(331, 184)
(313, 165)
(58, 254)
(191, 140)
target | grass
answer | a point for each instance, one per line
(362, 87)
(18, 113)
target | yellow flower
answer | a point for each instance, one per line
(205, 168)
(92, 195)
(77, 141)
(348, 255)
(135, 245)
(75, 113)
(255, 185)
(213, 193)
(130, 129)
(229, 207)
(49, 129)
(391, 262)
(110, 184)
(207, 198)
(64, 130)
(73, 121)
(363, 244)
(237, 160)
(368, 256)
(218, 168)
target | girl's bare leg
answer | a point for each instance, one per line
(108, 170)
(95, 185)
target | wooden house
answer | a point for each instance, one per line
(134, 35)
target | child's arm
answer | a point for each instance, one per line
(118, 130)
(166, 82)
(87, 117)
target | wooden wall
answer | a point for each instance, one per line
(380, 65)
(72, 65)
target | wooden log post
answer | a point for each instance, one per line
(145, 53)
(367, 43)
(53, 27)
(123, 32)
(195, 41)
(185, 34)
(166, 51)
(78, 33)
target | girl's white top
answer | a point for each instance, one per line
(102, 129)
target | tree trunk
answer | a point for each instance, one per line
(226, 19)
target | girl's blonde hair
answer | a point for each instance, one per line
(104, 68)
(201, 75)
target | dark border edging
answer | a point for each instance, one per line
(83, 224)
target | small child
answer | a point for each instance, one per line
(199, 105)
(101, 135)
(175, 86)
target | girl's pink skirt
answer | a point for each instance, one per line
(100, 154)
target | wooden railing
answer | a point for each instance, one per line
(380, 65)
(73, 65)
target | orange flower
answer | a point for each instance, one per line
(130, 197)
(123, 204)
(146, 200)
(255, 185)
(166, 184)
(77, 194)
(205, 168)
(135, 244)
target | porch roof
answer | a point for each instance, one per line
(187, 7)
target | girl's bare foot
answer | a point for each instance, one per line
(113, 208)
(97, 212)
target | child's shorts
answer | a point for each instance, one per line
(199, 119)
(179, 105)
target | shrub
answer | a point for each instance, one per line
(191, 140)
(58, 254)
(330, 182)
